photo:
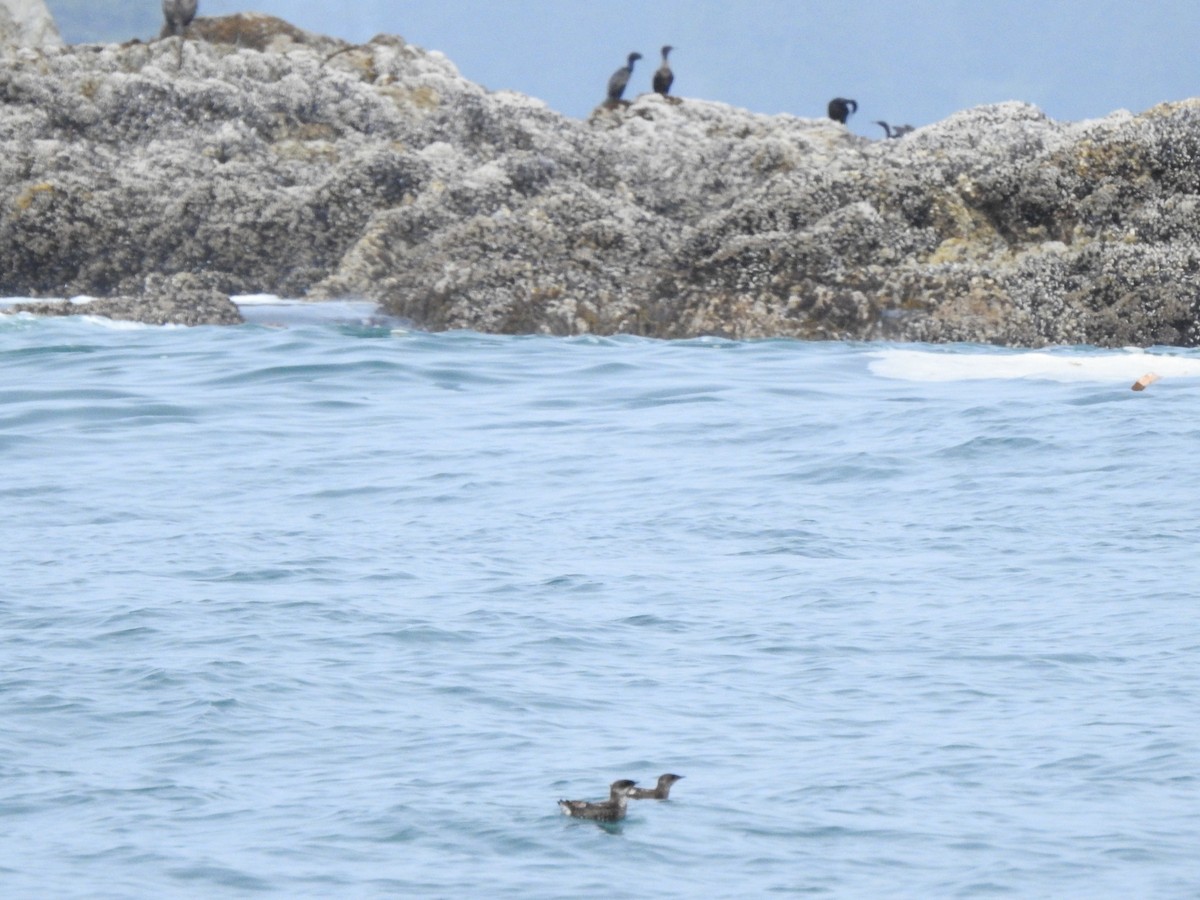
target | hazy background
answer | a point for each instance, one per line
(912, 62)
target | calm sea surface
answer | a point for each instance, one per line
(336, 609)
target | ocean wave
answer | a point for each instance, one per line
(1065, 366)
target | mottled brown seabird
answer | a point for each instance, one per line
(661, 792)
(610, 810)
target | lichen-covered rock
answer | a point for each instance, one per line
(27, 24)
(262, 158)
(165, 300)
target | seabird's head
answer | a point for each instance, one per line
(667, 50)
(622, 787)
(668, 779)
(634, 57)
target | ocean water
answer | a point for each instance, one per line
(320, 606)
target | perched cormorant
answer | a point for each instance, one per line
(179, 15)
(620, 78)
(662, 792)
(894, 131)
(840, 109)
(664, 77)
(610, 810)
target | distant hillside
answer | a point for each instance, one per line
(102, 21)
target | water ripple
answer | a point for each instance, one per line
(342, 610)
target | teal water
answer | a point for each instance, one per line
(336, 609)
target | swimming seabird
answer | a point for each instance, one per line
(620, 78)
(840, 109)
(179, 15)
(664, 77)
(661, 792)
(610, 810)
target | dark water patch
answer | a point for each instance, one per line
(573, 583)
(33, 491)
(673, 397)
(89, 417)
(533, 425)
(401, 836)
(341, 405)
(217, 876)
(461, 379)
(25, 355)
(607, 370)
(45, 395)
(310, 373)
(252, 576)
(387, 577)
(655, 622)
(563, 642)
(554, 403)
(846, 472)
(420, 635)
(1105, 398)
(986, 447)
(368, 490)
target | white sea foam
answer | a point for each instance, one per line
(268, 309)
(122, 324)
(242, 300)
(1118, 366)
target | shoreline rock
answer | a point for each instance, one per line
(27, 25)
(167, 300)
(257, 157)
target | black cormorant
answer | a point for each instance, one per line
(664, 77)
(620, 78)
(661, 792)
(894, 131)
(179, 15)
(840, 109)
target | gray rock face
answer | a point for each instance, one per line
(262, 158)
(177, 15)
(27, 24)
(165, 300)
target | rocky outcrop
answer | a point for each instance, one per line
(259, 158)
(27, 24)
(165, 300)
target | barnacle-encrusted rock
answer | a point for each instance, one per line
(27, 24)
(258, 157)
(165, 300)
